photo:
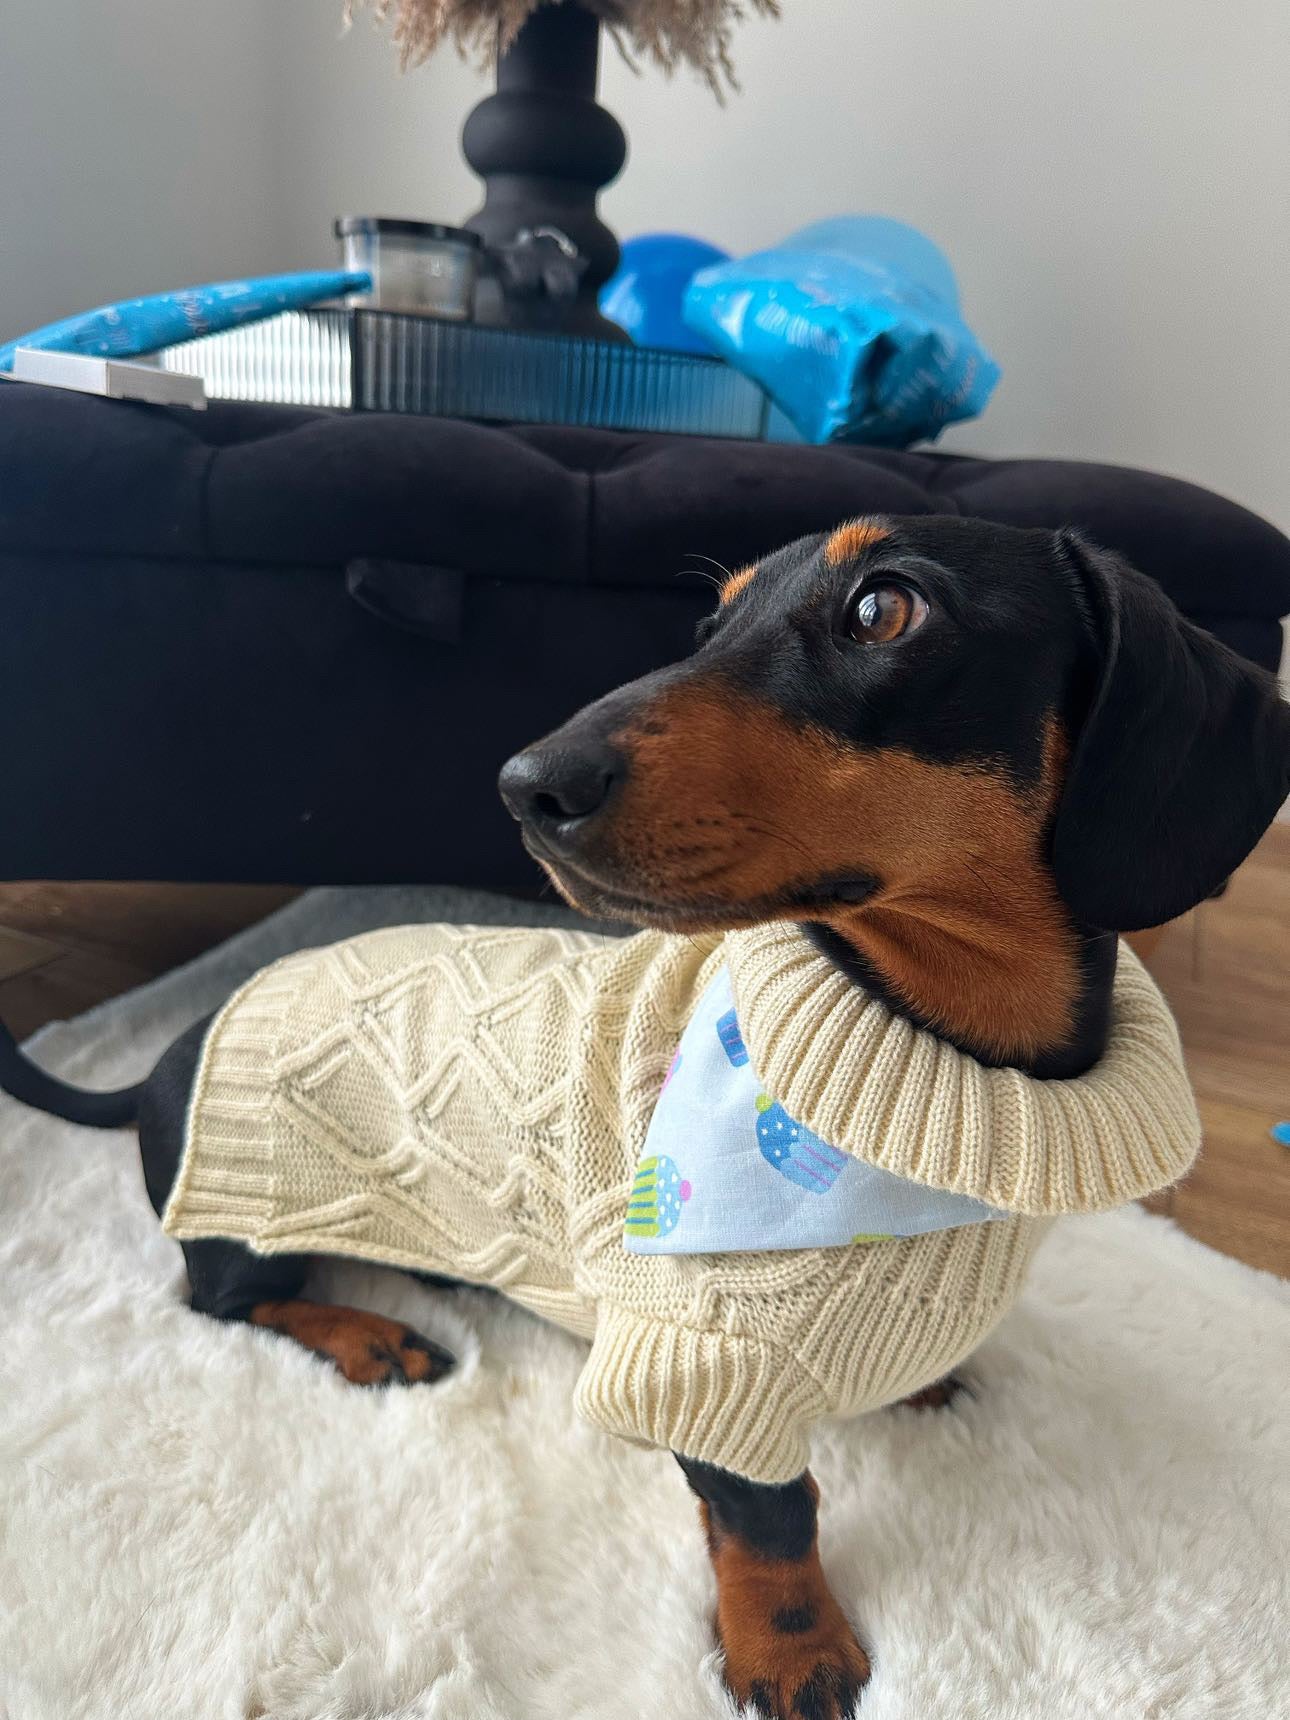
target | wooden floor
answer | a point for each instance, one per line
(64, 947)
(1225, 968)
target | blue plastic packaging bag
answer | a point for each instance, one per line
(853, 327)
(646, 291)
(145, 325)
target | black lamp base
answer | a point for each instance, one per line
(544, 147)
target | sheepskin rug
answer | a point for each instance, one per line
(201, 1520)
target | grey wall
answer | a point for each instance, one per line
(1111, 179)
(138, 149)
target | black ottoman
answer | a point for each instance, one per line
(271, 644)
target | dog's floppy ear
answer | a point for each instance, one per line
(1181, 762)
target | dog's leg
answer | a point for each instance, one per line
(939, 1395)
(789, 1649)
(230, 1282)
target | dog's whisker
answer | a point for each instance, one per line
(721, 568)
(784, 837)
(983, 882)
(698, 573)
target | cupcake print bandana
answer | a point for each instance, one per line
(726, 1169)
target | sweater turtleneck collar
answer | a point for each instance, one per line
(872, 1084)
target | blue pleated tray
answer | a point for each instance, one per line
(382, 361)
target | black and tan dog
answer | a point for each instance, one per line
(964, 757)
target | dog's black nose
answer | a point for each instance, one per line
(559, 785)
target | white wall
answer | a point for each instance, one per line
(1111, 180)
(1110, 177)
(137, 150)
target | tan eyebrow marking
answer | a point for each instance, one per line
(848, 541)
(737, 582)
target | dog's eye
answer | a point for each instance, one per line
(880, 613)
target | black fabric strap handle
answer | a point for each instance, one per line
(418, 599)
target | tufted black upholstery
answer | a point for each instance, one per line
(199, 680)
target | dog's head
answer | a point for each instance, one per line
(913, 728)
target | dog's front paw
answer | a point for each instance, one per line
(799, 1663)
(368, 1349)
(939, 1395)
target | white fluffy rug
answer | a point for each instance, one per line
(200, 1520)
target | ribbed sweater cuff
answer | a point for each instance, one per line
(731, 1401)
(228, 1189)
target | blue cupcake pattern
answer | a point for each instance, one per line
(731, 1040)
(794, 1151)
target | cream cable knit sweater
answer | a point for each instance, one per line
(473, 1101)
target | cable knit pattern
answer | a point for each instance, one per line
(473, 1101)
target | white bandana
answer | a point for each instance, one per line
(727, 1170)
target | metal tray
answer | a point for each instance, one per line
(383, 361)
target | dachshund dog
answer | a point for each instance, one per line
(976, 754)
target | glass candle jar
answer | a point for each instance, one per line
(418, 266)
